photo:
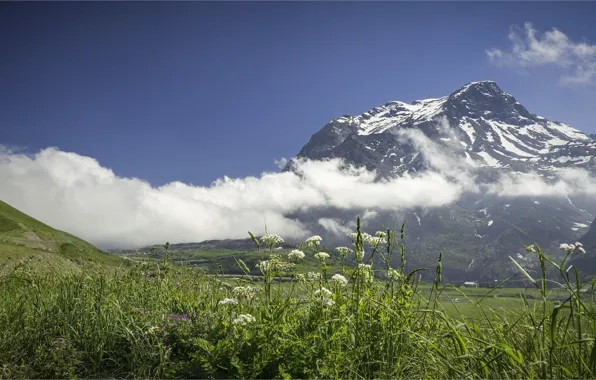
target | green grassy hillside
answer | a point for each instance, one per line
(25, 238)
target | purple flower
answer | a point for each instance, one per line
(178, 317)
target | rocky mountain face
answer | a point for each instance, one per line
(589, 239)
(484, 130)
(479, 122)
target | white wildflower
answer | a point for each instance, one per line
(263, 266)
(323, 295)
(314, 241)
(322, 256)
(343, 251)
(375, 241)
(313, 276)
(381, 234)
(271, 240)
(243, 319)
(247, 292)
(308, 277)
(228, 301)
(275, 264)
(296, 255)
(339, 280)
(569, 248)
(327, 301)
(324, 291)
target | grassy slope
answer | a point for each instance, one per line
(22, 236)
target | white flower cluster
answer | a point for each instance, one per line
(339, 280)
(368, 238)
(314, 241)
(381, 234)
(343, 251)
(243, 320)
(274, 264)
(324, 291)
(296, 255)
(354, 236)
(263, 265)
(324, 296)
(228, 301)
(270, 240)
(572, 247)
(247, 292)
(375, 241)
(322, 256)
(308, 277)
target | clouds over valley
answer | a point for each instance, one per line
(77, 194)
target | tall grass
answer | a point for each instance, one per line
(159, 321)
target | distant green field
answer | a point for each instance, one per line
(225, 261)
(468, 302)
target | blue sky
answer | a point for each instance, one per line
(193, 91)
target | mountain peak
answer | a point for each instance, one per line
(491, 126)
(486, 99)
(482, 88)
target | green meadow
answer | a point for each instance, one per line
(306, 313)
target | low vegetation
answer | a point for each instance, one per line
(368, 320)
(46, 249)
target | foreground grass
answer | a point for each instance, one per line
(161, 320)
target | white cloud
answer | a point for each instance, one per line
(577, 60)
(569, 181)
(281, 163)
(336, 227)
(75, 193)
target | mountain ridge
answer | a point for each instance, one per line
(491, 126)
(487, 134)
(492, 134)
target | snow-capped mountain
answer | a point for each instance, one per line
(479, 122)
(489, 131)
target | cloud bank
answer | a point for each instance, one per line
(576, 60)
(76, 194)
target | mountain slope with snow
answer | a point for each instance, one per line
(485, 130)
(479, 122)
